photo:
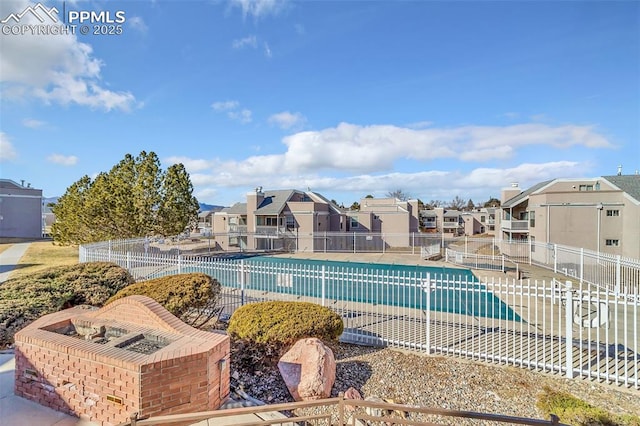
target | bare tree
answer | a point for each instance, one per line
(457, 203)
(399, 194)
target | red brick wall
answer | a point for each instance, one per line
(77, 376)
(76, 385)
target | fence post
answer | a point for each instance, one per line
(179, 263)
(323, 283)
(569, 329)
(581, 264)
(503, 263)
(325, 241)
(530, 250)
(109, 258)
(428, 327)
(618, 271)
(413, 243)
(129, 261)
(466, 243)
(354, 242)
(242, 282)
(383, 244)
(555, 258)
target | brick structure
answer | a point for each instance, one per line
(130, 356)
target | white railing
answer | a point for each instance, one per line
(432, 250)
(559, 328)
(515, 225)
(613, 273)
(481, 261)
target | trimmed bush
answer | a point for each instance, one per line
(190, 297)
(283, 323)
(27, 298)
(577, 412)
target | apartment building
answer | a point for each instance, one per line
(390, 216)
(479, 221)
(20, 210)
(271, 220)
(296, 220)
(600, 214)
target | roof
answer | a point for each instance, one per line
(514, 201)
(237, 208)
(627, 183)
(274, 201)
(452, 213)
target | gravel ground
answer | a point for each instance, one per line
(443, 382)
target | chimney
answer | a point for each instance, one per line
(510, 192)
(620, 170)
(21, 182)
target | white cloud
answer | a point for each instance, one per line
(57, 69)
(225, 105)
(7, 151)
(192, 165)
(32, 123)
(63, 160)
(232, 108)
(287, 120)
(243, 116)
(249, 41)
(260, 8)
(361, 159)
(267, 50)
(138, 24)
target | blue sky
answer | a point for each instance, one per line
(347, 98)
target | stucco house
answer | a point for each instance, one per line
(600, 214)
(280, 219)
(20, 210)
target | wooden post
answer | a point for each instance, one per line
(341, 419)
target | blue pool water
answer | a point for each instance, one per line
(451, 290)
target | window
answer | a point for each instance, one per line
(482, 218)
(290, 222)
(586, 187)
(271, 221)
(532, 219)
(613, 213)
(614, 243)
(354, 222)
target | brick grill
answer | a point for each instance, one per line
(130, 356)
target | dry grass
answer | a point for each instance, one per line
(44, 254)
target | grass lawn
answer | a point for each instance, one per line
(42, 255)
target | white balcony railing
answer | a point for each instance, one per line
(515, 225)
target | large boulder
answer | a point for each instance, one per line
(308, 369)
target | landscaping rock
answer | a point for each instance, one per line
(308, 369)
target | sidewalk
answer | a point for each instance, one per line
(9, 259)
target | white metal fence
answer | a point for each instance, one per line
(572, 330)
(613, 273)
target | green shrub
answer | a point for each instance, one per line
(577, 412)
(283, 323)
(190, 297)
(26, 298)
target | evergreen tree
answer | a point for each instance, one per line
(135, 198)
(178, 208)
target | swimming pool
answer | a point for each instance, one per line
(438, 289)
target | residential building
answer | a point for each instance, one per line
(479, 221)
(440, 220)
(390, 216)
(281, 219)
(600, 214)
(296, 220)
(20, 210)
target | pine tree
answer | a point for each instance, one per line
(134, 199)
